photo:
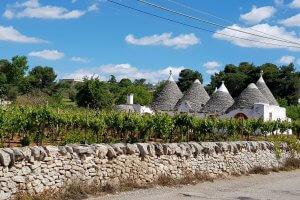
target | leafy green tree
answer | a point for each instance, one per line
(14, 70)
(112, 79)
(12, 75)
(42, 77)
(141, 94)
(141, 81)
(284, 81)
(187, 77)
(94, 94)
(125, 82)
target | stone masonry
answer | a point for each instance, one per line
(36, 169)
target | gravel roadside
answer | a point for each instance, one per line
(275, 186)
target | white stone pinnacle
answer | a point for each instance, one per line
(252, 85)
(216, 89)
(197, 81)
(261, 79)
(223, 88)
(171, 78)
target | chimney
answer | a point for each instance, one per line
(130, 99)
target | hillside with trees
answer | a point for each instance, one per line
(38, 85)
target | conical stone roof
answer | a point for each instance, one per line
(196, 96)
(168, 97)
(263, 88)
(248, 98)
(219, 101)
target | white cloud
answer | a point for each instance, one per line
(295, 4)
(8, 14)
(93, 7)
(212, 65)
(33, 9)
(73, 1)
(298, 61)
(276, 31)
(279, 2)
(180, 42)
(292, 21)
(8, 33)
(29, 3)
(286, 60)
(47, 54)
(257, 15)
(212, 71)
(79, 59)
(126, 71)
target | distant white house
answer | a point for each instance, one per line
(130, 107)
(4, 102)
(70, 80)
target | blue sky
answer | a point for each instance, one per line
(86, 37)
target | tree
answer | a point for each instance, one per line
(14, 70)
(187, 77)
(125, 82)
(11, 76)
(95, 94)
(141, 94)
(141, 81)
(42, 77)
(112, 79)
(284, 81)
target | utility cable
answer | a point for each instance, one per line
(195, 27)
(220, 18)
(211, 23)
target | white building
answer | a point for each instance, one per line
(256, 101)
(130, 107)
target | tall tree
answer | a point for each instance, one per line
(140, 81)
(112, 79)
(12, 75)
(42, 77)
(284, 81)
(125, 82)
(187, 77)
(95, 94)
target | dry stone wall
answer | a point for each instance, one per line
(36, 169)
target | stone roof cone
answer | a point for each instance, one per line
(263, 88)
(196, 96)
(168, 97)
(219, 101)
(248, 98)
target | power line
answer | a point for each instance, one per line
(199, 11)
(220, 18)
(211, 23)
(195, 27)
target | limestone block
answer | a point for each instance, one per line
(132, 149)
(5, 158)
(18, 179)
(4, 195)
(111, 152)
(51, 151)
(198, 148)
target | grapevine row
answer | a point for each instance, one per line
(39, 125)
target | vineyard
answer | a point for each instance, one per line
(46, 125)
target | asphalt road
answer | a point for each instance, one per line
(281, 186)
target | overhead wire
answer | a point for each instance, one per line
(212, 23)
(222, 19)
(196, 27)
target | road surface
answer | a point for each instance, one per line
(281, 186)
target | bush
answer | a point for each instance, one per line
(69, 125)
